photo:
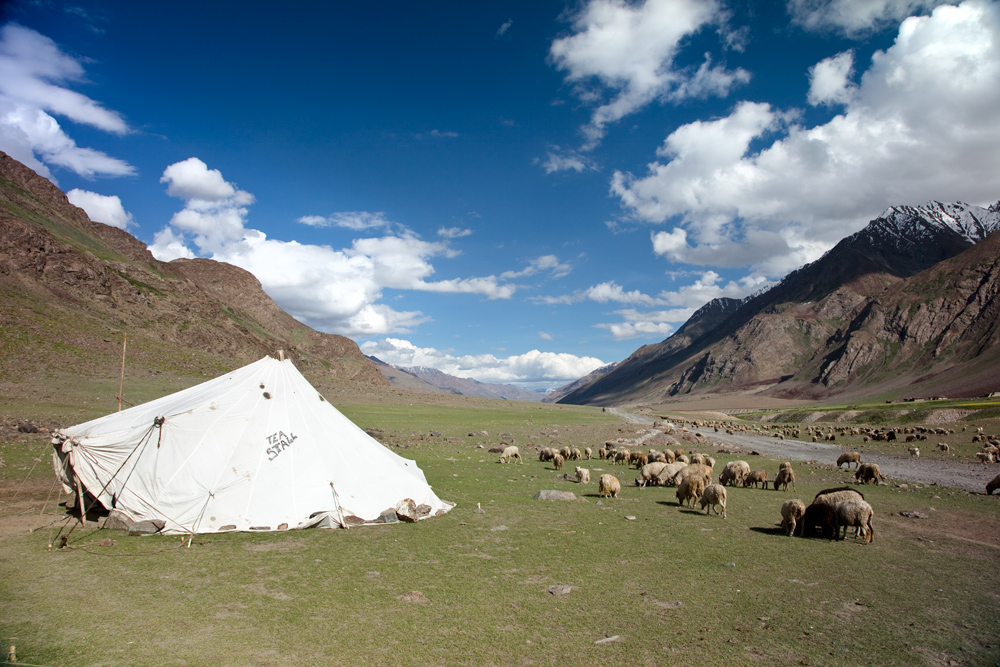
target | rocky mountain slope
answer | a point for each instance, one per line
(71, 289)
(469, 387)
(796, 338)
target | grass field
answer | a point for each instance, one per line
(674, 585)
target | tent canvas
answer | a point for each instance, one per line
(256, 449)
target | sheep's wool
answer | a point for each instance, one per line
(256, 449)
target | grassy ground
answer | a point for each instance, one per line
(675, 586)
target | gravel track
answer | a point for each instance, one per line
(955, 474)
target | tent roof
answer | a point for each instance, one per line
(256, 449)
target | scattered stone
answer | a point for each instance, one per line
(117, 521)
(914, 515)
(406, 510)
(423, 510)
(500, 527)
(608, 640)
(349, 519)
(629, 517)
(388, 516)
(548, 494)
(147, 527)
(559, 590)
(413, 596)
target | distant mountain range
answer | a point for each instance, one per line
(419, 378)
(908, 306)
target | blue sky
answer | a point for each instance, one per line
(515, 192)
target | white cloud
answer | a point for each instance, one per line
(34, 74)
(921, 124)
(453, 232)
(629, 49)
(334, 290)
(505, 27)
(543, 264)
(560, 160)
(854, 17)
(437, 134)
(101, 208)
(829, 80)
(544, 335)
(533, 367)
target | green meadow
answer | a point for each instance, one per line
(503, 579)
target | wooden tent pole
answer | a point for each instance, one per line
(121, 384)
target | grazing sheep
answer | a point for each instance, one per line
(582, 475)
(784, 477)
(640, 460)
(690, 490)
(694, 470)
(943, 446)
(785, 464)
(993, 485)
(588, 452)
(735, 473)
(622, 456)
(791, 512)
(857, 513)
(602, 453)
(546, 454)
(833, 496)
(818, 515)
(668, 476)
(849, 458)
(575, 455)
(697, 458)
(709, 461)
(558, 461)
(756, 477)
(509, 453)
(869, 472)
(608, 486)
(714, 494)
(649, 472)
(984, 457)
(914, 452)
(566, 453)
(682, 458)
(669, 455)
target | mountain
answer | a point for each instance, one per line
(781, 340)
(586, 380)
(469, 387)
(72, 289)
(402, 379)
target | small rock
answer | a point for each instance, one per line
(406, 510)
(913, 515)
(559, 590)
(630, 517)
(548, 494)
(500, 527)
(608, 640)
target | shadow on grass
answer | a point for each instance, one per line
(773, 530)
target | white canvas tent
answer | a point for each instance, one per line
(255, 449)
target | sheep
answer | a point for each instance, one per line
(649, 472)
(575, 454)
(784, 464)
(546, 454)
(697, 458)
(608, 486)
(849, 458)
(640, 461)
(709, 461)
(854, 512)
(869, 472)
(791, 512)
(582, 475)
(943, 446)
(669, 455)
(588, 452)
(818, 514)
(714, 494)
(682, 458)
(984, 457)
(833, 496)
(914, 452)
(756, 477)
(694, 470)
(558, 461)
(735, 473)
(668, 476)
(784, 477)
(690, 490)
(993, 485)
(622, 456)
(566, 453)
(509, 453)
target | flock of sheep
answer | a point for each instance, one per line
(829, 515)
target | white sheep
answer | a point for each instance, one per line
(914, 452)
(608, 486)
(854, 512)
(558, 461)
(833, 496)
(735, 473)
(791, 513)
(509, 453)
(588, 452)
(784, 477)
(649, 472)
(714, 494)
(582, 475)
(668, 476)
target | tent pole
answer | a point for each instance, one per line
(121, 384)
(79, 503)
(340, 510)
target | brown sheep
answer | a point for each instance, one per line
(849, 458)
(993, 485)
(588, 452)
(690, 490)
(784, 477)
(756, 477)
(558, 461)
(818, 515)
(608, 486)
(735, 473)
(869, 472)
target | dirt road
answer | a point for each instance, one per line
(956, 474)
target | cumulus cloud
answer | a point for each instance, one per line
(336, 290)
(532, 368)
(602, 293)
(920, 124)
(34, 79)
(560, 160)
(504, 27)
(628, 49)
(101, 208)
(544, 264)
(453, 232)
(854, 17)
